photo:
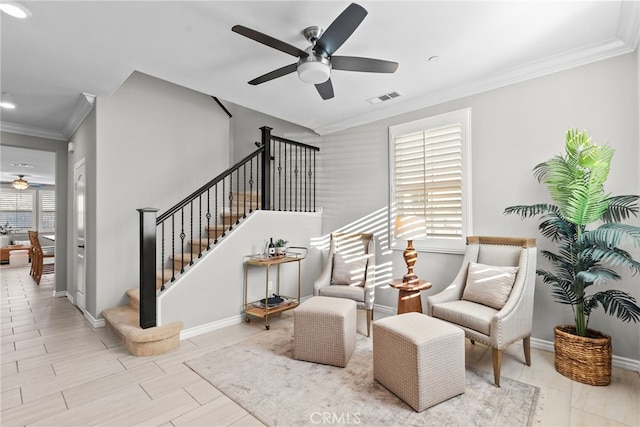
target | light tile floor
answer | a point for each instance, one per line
(59, 371)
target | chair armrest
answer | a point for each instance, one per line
(453, 292)
(325, 276)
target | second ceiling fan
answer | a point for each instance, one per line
(315, 63)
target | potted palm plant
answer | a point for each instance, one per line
(584, 221)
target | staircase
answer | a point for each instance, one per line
(184, 233)
(124, 320)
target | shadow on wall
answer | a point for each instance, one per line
(376, 223)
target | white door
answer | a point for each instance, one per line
(79, 221)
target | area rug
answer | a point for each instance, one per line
(260, 375)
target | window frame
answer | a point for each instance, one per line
(462, 116)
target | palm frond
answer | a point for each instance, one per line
(526, 211)
(612, 257)
(621, 208)
(611, 235)
(615, 303)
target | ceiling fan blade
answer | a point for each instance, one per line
(287, 69)
(325, 89)
(368, 65)
(269, 41)
(340, 29)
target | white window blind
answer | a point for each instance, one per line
(47, 210)
(16, 208)
(429, 171)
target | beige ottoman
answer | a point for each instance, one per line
(324, 330)
(418, 358)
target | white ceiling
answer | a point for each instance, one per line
(67, 48)
(38, 167)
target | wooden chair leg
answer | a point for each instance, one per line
(369, 320)
(526, 344)
(496, 355)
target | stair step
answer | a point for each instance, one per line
(215, 232)
(181, 260)
(124, 322)
(168, 272)
(134, 298)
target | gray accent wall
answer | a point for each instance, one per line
(513, 129)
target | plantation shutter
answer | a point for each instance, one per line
(428, 179)
(16, 209)
(47, 210)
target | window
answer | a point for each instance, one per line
(16, 208)
(47, 210)
(430, 175)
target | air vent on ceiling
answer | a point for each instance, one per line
(385, 97)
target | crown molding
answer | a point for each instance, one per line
(84, 105)
(31, 131)
(567, 60)
(629, 25)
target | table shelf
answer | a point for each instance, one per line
(296, 254)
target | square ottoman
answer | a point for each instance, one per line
(418, 358)
(324, 330)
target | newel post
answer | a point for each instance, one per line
(147, 267)
(266, 168)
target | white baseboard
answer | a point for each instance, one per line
(616, 361)
(60, 294)
(96, 323)
(213, 326)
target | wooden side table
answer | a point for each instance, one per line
(409, 294)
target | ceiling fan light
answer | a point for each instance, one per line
(20, 184)
(314, 72)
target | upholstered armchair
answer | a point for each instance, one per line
(349, 271)
(491, 298)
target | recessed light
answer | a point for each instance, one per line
(22, 165)
(14, 9)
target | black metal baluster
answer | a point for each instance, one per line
(191, 231)
(182, 236)
(251, 186)
(244, 190)
(296, 180)
(237, 196)
(208, 219)
(173, 247)
(162, 256)
(216, 213)
(199, 227)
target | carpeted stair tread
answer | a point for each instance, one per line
(124, 322)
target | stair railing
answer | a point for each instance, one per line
(279, 175)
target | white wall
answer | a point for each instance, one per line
(212, 289)
(156, 143)
(513, 129)
(245, 130)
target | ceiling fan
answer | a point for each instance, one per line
(316, 62)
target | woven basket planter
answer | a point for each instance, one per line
(583, 359)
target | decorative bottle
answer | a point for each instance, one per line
(271, 249)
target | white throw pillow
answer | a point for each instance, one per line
(349, 269)
(489, 285)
